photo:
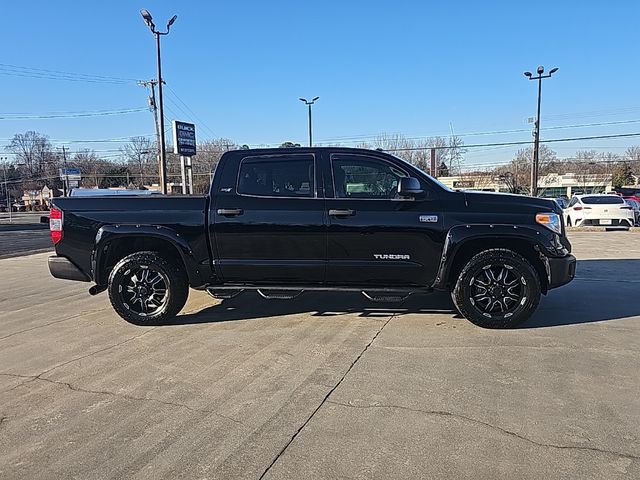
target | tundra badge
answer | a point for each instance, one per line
(428, 218)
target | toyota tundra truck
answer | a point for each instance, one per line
(285, 221)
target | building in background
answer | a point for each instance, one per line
(40, 199)
(552, 185)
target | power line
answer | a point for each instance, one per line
(527, 142)
(359, 138)
(97, 113)
(31, 72)
(200, 121)
(101, 140)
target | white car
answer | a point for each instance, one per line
(598, 210)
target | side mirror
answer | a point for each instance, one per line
(409, 187)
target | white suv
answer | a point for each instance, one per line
(598, 210)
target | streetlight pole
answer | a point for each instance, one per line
(309, 103)
(536, 142)
(163, 154)
(6, 188)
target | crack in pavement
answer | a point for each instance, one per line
(446, 414)
(125, 396)
(54, 322)
(32, 378)
(39, 376)
(325, 399)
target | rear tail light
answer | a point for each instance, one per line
(55, 225)
(577, 207)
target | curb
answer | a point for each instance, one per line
(13, 227)
(24, 253)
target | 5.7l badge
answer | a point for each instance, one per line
(428, 218)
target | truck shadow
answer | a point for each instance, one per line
(249, 305)
(603, 290)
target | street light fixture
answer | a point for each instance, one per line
(536, 145)
(162, 153)
(309, 103)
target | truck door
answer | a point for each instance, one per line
(374, 237)
(269, 222)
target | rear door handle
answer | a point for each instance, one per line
(230, 212)
(342, 213)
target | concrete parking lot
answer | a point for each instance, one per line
(324, 386)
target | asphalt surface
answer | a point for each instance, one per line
(15, 241)
(324, 386)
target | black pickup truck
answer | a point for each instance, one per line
(284, 221)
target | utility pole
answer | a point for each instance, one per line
(536, 132)
(6, 189)
(65, 183)
(309, 103)
(151, 84)
(163, 154)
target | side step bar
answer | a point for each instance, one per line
(224, 294)
(272, 294)
(387, 297)
(289, 292)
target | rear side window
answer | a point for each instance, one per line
(603, 200)
(281, 176)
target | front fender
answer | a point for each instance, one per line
(108, 233)
(545, 242)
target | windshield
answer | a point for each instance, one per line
(602, 200)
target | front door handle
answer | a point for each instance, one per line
(342, 213)
(230, 212)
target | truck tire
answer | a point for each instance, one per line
(147, 289)
(497, 288)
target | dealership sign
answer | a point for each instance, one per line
(463, 184)
(184, 138)
(72, 174)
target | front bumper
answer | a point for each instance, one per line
(62, 267)
(561, 270)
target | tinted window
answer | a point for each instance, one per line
(363, 177)
(284, 176)
(604, 200)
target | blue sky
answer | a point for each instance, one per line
(410, 67)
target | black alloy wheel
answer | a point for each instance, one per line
(146, 292)
(497, 288)
(147, 289)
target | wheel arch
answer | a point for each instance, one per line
(114, 243)
(460, 249)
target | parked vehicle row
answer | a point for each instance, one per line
(635, 205)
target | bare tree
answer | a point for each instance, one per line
(205, 162)
(33, 150)
(140, 153)
(94, 169)
(456, 153)
(418, 152)
(632, 154)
